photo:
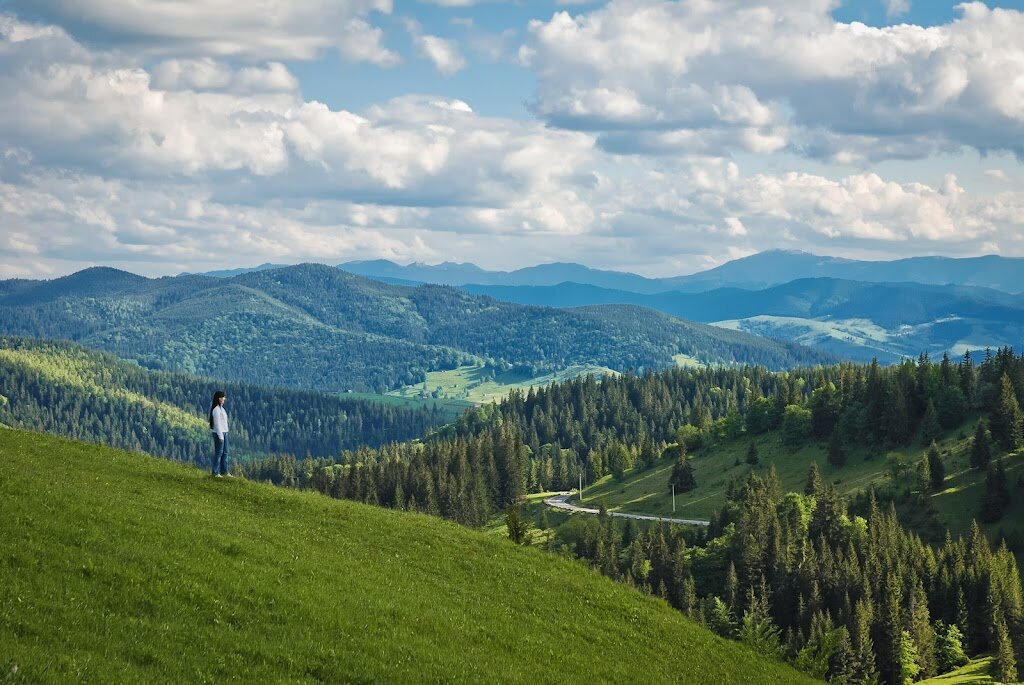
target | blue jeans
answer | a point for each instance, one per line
(220, 455)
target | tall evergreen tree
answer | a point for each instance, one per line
(836, 453)
(682, 475)
(937, 469)
(1005, 663)
(1006, 420)
(981, 448)
(996, 497)
(930, 428)
(921, 631)
(752, 455)
(814, 485)
(924, 474)
(864, 670)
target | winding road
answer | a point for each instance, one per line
(561, 501)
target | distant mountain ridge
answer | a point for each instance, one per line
(451, 273)
(775, 267)
(756, 272)
(317, 327)
(852, 319)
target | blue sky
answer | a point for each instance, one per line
(657, 136)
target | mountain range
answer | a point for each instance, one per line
(315, 326)
(851, 319)
(858, 310)
(756, 272)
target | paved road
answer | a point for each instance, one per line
(560, 501)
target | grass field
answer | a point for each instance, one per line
(974, 673)
(451, 409)
(957, 504)
(479, 384)
(116, 567)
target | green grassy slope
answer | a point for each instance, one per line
(974, 673)
(478, 384)
(64, 388)
(120, 568)
(957, 504)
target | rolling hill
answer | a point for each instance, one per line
(73, 391)
(852, 319)
(316, 327)
(954, 506)
(118, 568)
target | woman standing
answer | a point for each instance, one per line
(219, 426)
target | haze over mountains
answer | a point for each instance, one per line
(855, 309)
(762, 270)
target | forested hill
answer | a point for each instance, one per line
(313, 326)
(67, 389)
(843, 591)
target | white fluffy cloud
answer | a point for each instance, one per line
(764, 75)
(442, 53)
(195, 163)
(262, 29)
(196, 117)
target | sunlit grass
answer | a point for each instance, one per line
(116, 567)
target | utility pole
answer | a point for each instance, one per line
(673, 498)
(581, 487)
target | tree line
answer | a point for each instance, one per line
(585, 428)
(66, 389)
(844, 598)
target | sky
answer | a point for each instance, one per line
(653, 136)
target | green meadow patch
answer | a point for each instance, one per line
(957, 504)
(116, 567)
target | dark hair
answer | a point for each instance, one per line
(216, 400)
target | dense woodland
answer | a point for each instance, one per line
(66, 389)
(316, 327)
(594, 428)
(844, 598)
(850, 599)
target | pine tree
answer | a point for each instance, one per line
(924, 474)
(1006, 419)
(907, 658)
(921, 631)
(732, 589)
(518, 528)
(981, 448)
(890, 629)
(936, 468)
(898, 421)
(682, 475)
(752, 455)
(1005, 664)
(864, 671)
(718, 619)
(949, 647)
(930, 428)
(813, 480)
(836, 454)
(996, 497)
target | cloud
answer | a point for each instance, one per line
(271, 29)
(770, 75)
(189, 164)
(203, 117)
(894, 8)
(441, 52)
